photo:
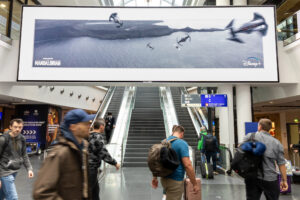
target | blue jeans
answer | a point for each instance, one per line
(8, 189)
(212, 155)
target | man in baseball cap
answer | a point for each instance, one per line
(64, 173)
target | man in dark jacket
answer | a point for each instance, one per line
(211, 149)
(12, 155)
(109, 126)
(64, 174)
(97, 153)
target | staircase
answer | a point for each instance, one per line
(146, 127)
(190, 134)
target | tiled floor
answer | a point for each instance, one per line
(134, 184)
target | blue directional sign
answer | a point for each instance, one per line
(213, 100)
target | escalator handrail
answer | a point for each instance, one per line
(106, 100)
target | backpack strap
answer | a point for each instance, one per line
(172, 139)
(5, 143)
(252, 137)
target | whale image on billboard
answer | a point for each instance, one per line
(117, 43)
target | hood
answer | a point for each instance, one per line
(66, 133)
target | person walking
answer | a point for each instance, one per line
(174, 184)
(267, 178)
(211, 149)
(97, 153)
(12, 155)
(109, 126)
(64, 173)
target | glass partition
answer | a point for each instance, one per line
(288, 30)
(4, 15)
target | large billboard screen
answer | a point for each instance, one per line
(190, 44)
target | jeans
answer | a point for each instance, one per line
(212, 155)
(255, 187)
(94, 185)
(8, 189)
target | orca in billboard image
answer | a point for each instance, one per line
(116, 43)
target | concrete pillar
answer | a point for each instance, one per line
(239, 2)
(283, 131)
(226, 118)
(243, 109)
(222, 2)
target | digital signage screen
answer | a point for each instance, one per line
(188, 44)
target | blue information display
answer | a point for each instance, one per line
(1, 115)
(213, 100)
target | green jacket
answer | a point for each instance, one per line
(200, 142)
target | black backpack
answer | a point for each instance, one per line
(210, 143)
(246, 164)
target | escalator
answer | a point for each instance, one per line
(115, 102)
(184, 119)
(146, 127)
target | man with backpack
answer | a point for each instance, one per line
(97, 153)
(211, 149)
(12, 155)
(173, 184)
(267, 178)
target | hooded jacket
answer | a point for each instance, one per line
(64, 174)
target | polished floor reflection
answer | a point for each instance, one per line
(134, 184)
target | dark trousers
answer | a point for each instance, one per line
(108, 134)
(94, 185)
(212, 155)
(255, 187)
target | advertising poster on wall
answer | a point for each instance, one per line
(35, 122)
(216, 44)
(54, 116)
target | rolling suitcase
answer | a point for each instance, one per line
(206, 168)
(296, 171)
(189, 191)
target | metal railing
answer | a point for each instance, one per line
(104, 105)
(168, 108)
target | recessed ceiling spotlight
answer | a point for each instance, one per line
(23, 100)
(271, 102)
(2, 5)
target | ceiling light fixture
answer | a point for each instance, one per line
(3, 5)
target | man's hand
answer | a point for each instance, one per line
(117, 166)
(291, 146)
(0, 184)
(154, 182)
(30, 174)
(196, 188)
(284, 186)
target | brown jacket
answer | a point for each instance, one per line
(64, 174)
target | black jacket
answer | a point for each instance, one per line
(12, 149)
(98, 152)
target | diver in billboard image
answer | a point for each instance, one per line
(114, 17)
(149, 46)
(183, 39)
(257, 24)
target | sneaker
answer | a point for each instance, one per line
(216, 173)
(164, 197)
